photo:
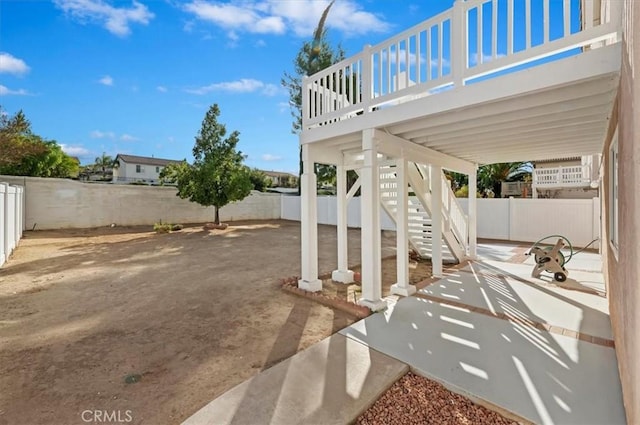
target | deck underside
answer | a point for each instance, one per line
(553, 110)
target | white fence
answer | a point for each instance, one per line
(11, 218)
(327, 211)
(523, 220)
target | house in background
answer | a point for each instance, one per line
(281, 179)
(142, 169)
(567, 178)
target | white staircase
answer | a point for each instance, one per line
(454, 223)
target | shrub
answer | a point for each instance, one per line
(161, 227)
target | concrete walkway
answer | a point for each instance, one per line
(331, 382)
(486, 330)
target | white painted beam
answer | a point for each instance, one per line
(398, 147)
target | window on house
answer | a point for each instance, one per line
(138, 168)
(613, 192)
(157, 169)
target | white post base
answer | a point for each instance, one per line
(404, 290)
(377, 305)
(313, 286)
(342, 276)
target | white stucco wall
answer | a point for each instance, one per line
(60, 203)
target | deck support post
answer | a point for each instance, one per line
(472, 222)
(370, 217)
(436, 220)
(342, 274)
(309, 224)
(402, 286)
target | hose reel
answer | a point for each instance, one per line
(550, 260)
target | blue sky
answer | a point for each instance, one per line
(137, 77)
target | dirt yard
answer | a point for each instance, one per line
(152, 326)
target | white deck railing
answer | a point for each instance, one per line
(571, 176)
(473, 39)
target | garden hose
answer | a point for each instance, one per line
(572, 253)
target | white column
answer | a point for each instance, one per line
(309, 224)
(342, 274)
(472, 224)
(402, 286)
(436, 220)
(370, 233)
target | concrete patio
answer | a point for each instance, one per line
(486, 330)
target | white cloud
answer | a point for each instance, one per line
(6, 91)
(278, 17)
(106, 80)
(270, 157)
(243, 85)
(75, 150)
(9, 64)
(116, 20)
(97, 134)
(162, 89)
(128, 138)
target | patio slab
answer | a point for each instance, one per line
(503, 288)
(542, 377)
(331, 382)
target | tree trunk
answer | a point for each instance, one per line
(217, 219)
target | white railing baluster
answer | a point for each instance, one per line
(479, 36)
(440, 55)
(428, 53)
(330, 92)
(380, 72)
(418, 60)
(567, 17)
(407, 61)
(588, 15)
(494, 29)
(545, 19)
(398, 68)
(527, 22)
(388, 75)
(509, 27)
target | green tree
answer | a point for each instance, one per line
(313, 57)
(491, 176)
(53, 162)
(217, 175)
(17, 142)
(259, 180)
(103, 163)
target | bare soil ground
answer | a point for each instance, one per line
(124, 319)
